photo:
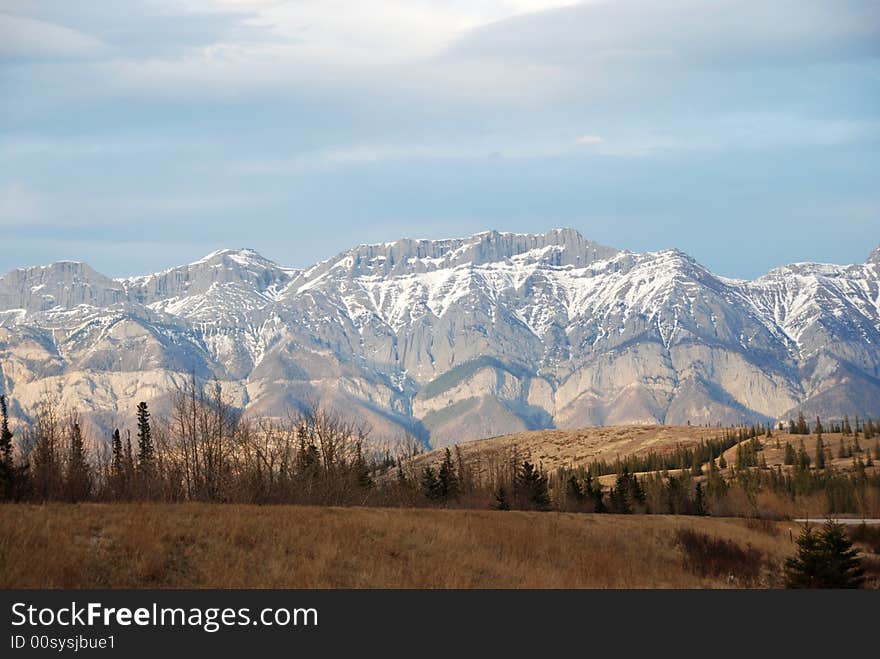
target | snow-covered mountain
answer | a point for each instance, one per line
(455, 339)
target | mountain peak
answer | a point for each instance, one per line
(560, 247)
(62, 283)
(874, 257)
(241, 255)
(460, 337)
(224, 267)
(61, 266)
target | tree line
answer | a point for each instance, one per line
(801, 427)
(206, 450)
(681, 457)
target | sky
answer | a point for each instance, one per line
(140, 135)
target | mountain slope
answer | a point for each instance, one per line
(455, 339)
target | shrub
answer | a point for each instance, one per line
(713, 557)
(867, 535)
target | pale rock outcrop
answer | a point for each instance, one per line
(453, 339)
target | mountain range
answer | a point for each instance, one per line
(451, 340)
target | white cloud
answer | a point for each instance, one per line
(518, 53)
(374, 31)
(723, 32)
(388, 47)
(26, 37)
(647, 77)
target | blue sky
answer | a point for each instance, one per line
(144, 134)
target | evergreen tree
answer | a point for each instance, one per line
(530, 486)
(119, 468)
(741, 457)
(803, 458)
(573, 490)
(587, 488)
(805, 568)
(599, 500)
(802, 427)
(621, 495)
(618, 502)
(361, 469)
(447, 478)
(7, 466)
(501, 502)
(843, 567)
(78, 478)
(819, 428)
(145, 437)
(699, 500)
(790, 456)
(430, 484)
(825, 560)
(129, 457)
(402, 481)
(820, 451)
(116, 456)
(846, 430)
(636, 490)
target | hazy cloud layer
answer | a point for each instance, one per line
(301, 127)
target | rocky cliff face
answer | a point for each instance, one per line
(455, 339)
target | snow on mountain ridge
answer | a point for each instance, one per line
(433, 277)
(797, 296)
(407, 255)
(556, 329)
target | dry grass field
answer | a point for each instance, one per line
(230, 546)
(239, 546)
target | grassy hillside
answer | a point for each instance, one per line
(553, 449)
(572, 448)
(230, 546)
